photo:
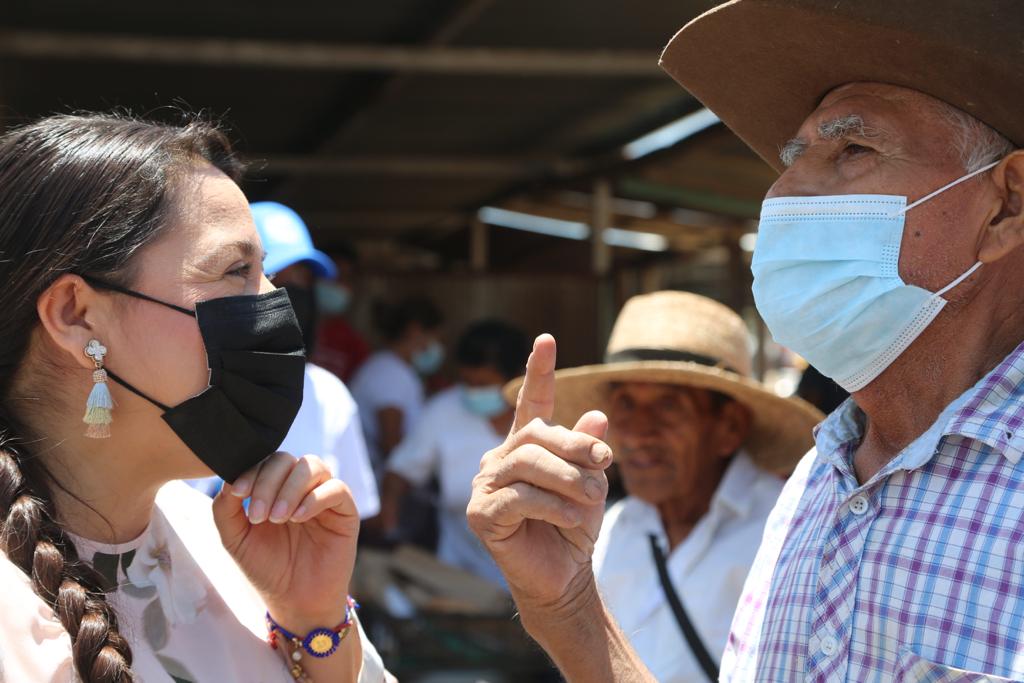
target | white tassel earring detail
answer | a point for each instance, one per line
(100, 404)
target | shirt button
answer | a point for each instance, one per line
(829, 645)
(859, 505)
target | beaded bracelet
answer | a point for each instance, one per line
(320, 642)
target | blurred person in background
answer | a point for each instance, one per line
(389, 387)
(820, 391)
(456, 426)
(328, 422)
(702, 449)
(340, 347)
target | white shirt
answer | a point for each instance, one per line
(449, 440)
(708, 569)
(327, 425)
(386, 381)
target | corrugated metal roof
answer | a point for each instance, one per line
(367, 148)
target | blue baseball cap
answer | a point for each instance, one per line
(286, 240)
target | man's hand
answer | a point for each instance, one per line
(537, 505)
(539, 497)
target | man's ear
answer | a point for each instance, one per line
(1005, 232)
(732, 428)
(64, 310)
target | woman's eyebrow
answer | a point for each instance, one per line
(225, 252)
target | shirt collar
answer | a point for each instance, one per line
(734, 491)
(842, 428)
(992, 411)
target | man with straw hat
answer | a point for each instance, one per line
(702, 448)
(889, 256)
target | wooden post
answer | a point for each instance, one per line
(761, 356)
(601, 220)
(478, 245)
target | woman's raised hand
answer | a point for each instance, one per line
(297, 544)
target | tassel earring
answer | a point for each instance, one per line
(100, 404)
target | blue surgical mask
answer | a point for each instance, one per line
(827, 283)
(332, 298)
(484, 401)
(428, 361)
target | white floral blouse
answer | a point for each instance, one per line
(182, 602)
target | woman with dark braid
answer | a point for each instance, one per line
(142, 344)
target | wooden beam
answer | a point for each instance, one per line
(224, 52)
(388, 86)
(637, 188)
(387, 220)
(511, 168)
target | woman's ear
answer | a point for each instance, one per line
(733, 427)
(1006, 230)
(65, 309)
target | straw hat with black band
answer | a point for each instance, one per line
(688, 340)
(764, 65)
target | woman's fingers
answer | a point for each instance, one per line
(286, 489)
(229, 515)
(535, 465)
(269, 479)
(242, 486)
(333, 505)
(307, 473)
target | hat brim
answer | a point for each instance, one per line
(764, 65)
(781, 432)
(320, 263)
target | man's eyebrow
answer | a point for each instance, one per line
(851, 125)
(792, 150)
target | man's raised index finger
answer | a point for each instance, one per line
(537, 395)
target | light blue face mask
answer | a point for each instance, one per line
(332, 298)
(429, 360)
(826, 281)
(484, 401)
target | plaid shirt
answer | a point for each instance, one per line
(916, 575)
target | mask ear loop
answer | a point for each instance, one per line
(138, 392)
(945, 187)
(102, 284)
(922, 200)
(954, 283)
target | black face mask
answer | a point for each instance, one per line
(304, 305)
(257, 368)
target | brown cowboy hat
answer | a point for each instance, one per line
(764, 65)
(690, 340)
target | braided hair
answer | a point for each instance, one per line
(82, 194)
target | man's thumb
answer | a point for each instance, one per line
(594, 423)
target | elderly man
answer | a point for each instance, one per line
(889, 256)
(701, 447)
